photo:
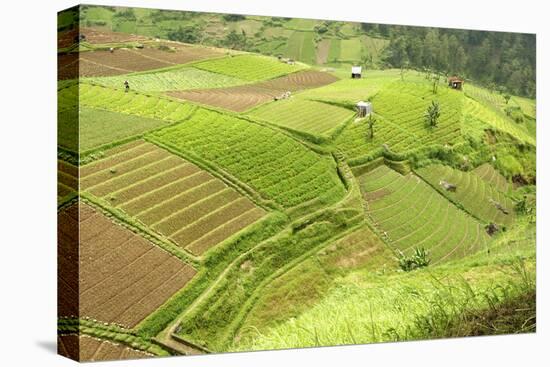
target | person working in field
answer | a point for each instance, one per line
(126, 86)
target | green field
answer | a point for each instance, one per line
(99, 127)
(180, 79)
(301, 47)
(256, 157)
(249, 67)
(281, 221)
(412, 215)
(131, 103)
(400, 108)
(315, 118)
(350, 91)
(482, 113)
(477, 196)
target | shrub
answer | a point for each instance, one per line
(419, 259)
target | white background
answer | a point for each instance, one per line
(28, 181)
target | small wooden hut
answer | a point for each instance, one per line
(363, 108)
(456, 82)
(356, 72)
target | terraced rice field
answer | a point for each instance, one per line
(249, 67)
(67, 181)
(412, 215)
(316, 118)
(490, 175)
(179, 79)
(90, 349)
(275, 165)
(244, 97)
(401, 125)
(350, 91)
(170, 195)
(98, 127)
(498, 121)
(473, 193)
(131, 103)
(113, 275)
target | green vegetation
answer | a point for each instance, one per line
(411, 214)
(131, 103)
(311, 117)
(98, 127)
(432, 303)
(249, 67)
(304, 224)
(266, 160)
(301, 47)
(479, 198)
(400, 108)
(179, 79)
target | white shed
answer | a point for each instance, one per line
(356, 72)
(363, 108)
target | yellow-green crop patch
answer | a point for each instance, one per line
(132, 103)
(249, 67)
(411, 214)
(472, 192)
(496, 120)
(312, 117)
(179, 79)
(490, 175)
(272, 163)
(98, 127)
(400, 109)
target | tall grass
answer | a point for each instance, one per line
(449, 300)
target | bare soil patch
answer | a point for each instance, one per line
(109, 273)
(86, 348)
(242, 98)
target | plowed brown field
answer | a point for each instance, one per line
(123, 277)
(242, 98)
(67, 180)
(170, 195)
(86, 348)
(123, 61)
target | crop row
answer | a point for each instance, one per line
(249, 67)
(473, 193)
(401, 124)
(490, 175)
(275, 165)
(179, 79)
(170, 195)
(498, 121)
(129, 103)
(121, 276)
(411, 214)
(303, 115)
(67, 181)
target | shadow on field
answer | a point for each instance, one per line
(48, 345)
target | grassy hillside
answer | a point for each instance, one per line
(450, 300)
(300, 220)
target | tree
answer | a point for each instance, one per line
(187, 34)
(507, 98)
(435, 83)
(370, 122)
(433, 112)
(235, 40)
